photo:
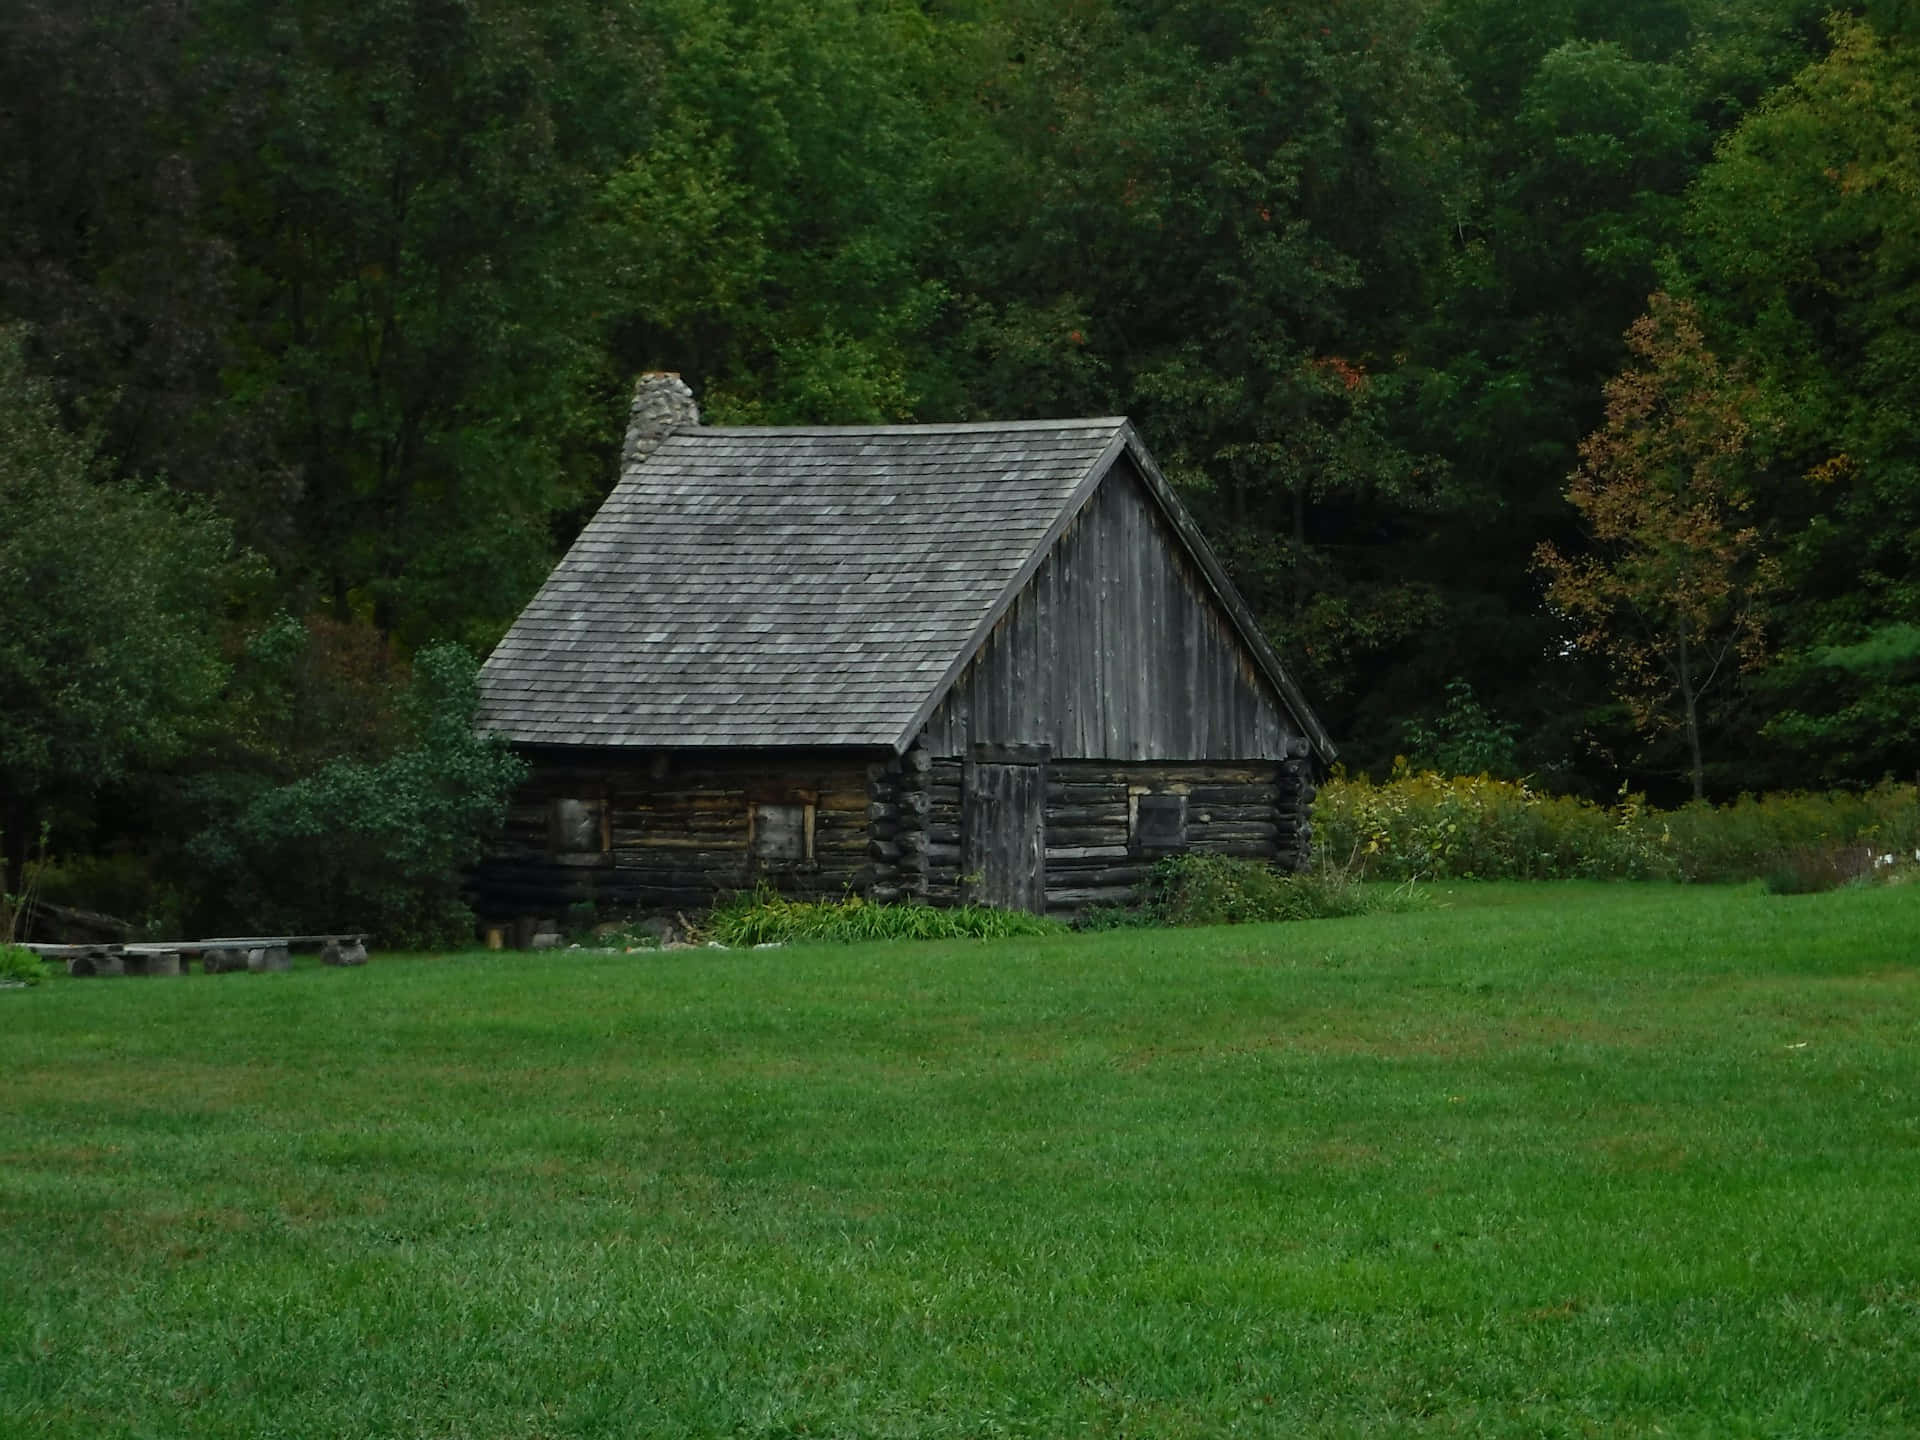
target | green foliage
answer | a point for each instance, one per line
(1425, 825)
(19, 967)
(1222, 890)
(774, 237)
(111, 626)
(1801, 248)
(1750, 837)
(127, 887)
(1429, 826)
(371, 279)
(1220, 208)
(1464, 739)
(764, 917)
(375, 845)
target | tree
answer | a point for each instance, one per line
(1673, 588)
(1803, 255)
(112, 596)
(377, 843)
(1217, 219)
(1588, 120)
(774, 235)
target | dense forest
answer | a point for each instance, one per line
(1544, 370)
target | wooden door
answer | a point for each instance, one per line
(1005, 827)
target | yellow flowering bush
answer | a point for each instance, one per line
(1422, 824)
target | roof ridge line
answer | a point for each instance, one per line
(958, 427)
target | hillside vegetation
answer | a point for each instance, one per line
(1542, 371)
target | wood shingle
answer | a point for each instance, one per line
(784, 586)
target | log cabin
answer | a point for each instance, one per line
(971, 662)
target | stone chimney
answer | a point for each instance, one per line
(662, 404)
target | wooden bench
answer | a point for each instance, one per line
(222, 956)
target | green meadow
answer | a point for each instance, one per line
(1536, 1160)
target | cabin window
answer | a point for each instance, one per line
(1159, 824)
(783, 833)
(576, 827)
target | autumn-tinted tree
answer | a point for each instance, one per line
(1673, 587)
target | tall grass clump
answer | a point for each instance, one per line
(764, 917)
(20, 967)
(1425, 825)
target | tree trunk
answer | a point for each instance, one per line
(1690, 698)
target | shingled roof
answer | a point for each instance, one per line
(804, 587)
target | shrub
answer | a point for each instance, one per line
(1473, 827)
(1220, 890)
(375, 845)
(1424, 825)
(1754, 835)
(1464, 739)
(123, 886)
(1814, 868)
(763, 917)
(20, 966)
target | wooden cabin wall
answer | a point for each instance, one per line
(1294, 808)
(1255, 810)
(676, 838)
(1244, 810)
(1117, 650)
(928, 811)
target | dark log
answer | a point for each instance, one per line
(1204, 795)
(1087, 834)
(1094, 797)
(1228, 814)
(1086, 852)
(1245, 831)
(1114, 813)
(1080, 897)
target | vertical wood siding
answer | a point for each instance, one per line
(1003, 833)
(1116, 650)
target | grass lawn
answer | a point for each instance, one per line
(1553, 1160)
